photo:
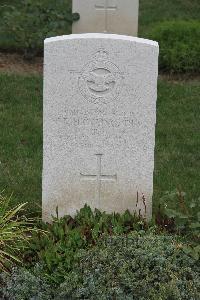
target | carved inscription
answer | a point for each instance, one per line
(100, 127)
(100, 118)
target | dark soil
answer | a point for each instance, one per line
(15, 63)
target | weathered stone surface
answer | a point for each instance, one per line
(111, 16)
(99, 123)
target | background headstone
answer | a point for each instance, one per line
(99, 123)
(106, 16)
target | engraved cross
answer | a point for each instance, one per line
(99, 177)
(106, 5)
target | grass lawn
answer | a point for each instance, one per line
(154, 11)
(177, 155)
(21, 138)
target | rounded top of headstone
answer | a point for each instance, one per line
(101, 36)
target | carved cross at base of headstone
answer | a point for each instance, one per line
(99, 177)
(106, 6)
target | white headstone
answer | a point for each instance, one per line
(111, 16)
(99, 123)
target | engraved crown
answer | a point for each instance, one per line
(101, 55)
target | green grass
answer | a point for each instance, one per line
(154, 11)
(21, 138)
(177, 155)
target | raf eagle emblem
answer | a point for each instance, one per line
(100, 81)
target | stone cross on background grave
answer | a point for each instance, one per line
(108, 16)
(105, 6)
(99, 120)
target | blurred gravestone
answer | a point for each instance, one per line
(106, 16)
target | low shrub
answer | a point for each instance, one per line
(103, 256)
(137, 266)
(57, 249)
(23, 284)
(179, 46)
(32, 21)
(140, 265)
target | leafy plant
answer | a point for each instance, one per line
(179, 46)
(32, 21)
(57, 250)
(105, 256)
(15, 232)
(135, 266)
(185, 217)
(139, 265)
